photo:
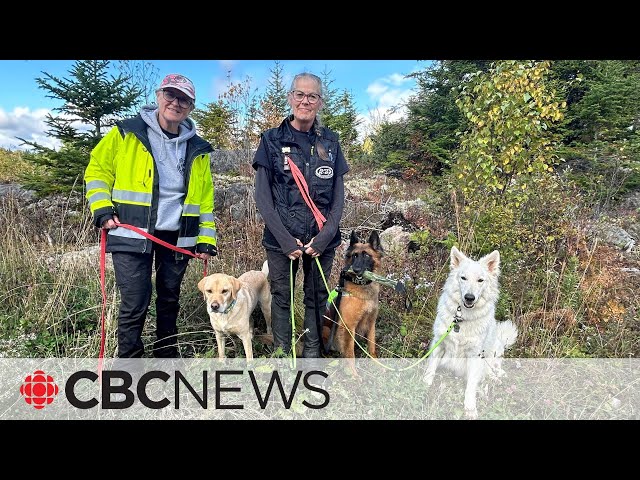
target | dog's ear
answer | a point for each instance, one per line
(201, 284)
(236, 286)
(456, 257)
(492, 261)
(374, 241)
(354, 238)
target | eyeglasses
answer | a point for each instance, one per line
(298, 96)
(184, 102)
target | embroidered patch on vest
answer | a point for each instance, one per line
(324, 172)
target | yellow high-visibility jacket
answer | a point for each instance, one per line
(122, 179)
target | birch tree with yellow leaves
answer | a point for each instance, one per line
(512, 109)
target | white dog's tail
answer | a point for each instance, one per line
(265, 268)
(507, 333)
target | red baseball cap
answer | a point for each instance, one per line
(179, 82)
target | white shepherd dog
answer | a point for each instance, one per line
(477, 343)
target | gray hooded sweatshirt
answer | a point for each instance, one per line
(169, 154)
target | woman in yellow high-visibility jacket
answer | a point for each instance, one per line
(153, 172)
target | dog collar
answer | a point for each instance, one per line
(359, 280)
(457, 318)
(228, 309)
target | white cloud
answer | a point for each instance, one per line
(397, 79)
(389, 96)
(27, 124)
(227, 65)
(376, 89)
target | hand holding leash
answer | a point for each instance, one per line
(296, 254)
(213, 251)
(111, 223)
(309, 250)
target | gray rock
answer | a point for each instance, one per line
(234, 197)
(15, 190)
(230, 161)
(394, 240)
(84, 258)
(632, 200)
(616, 236)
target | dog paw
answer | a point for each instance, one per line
(428, 379)
(485, 390)
(471, 414)
(350, 371)
(470, 408)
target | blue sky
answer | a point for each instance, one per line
(376, 85)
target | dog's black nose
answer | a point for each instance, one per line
(215, 307)
(469, 297)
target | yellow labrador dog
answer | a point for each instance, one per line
(230, 302)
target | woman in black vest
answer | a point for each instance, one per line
(291, 229)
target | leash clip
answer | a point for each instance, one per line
(457, 318)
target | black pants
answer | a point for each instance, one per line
(280, 298)
(133, 277)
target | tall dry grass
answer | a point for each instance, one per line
(567, 295)
(48, 299)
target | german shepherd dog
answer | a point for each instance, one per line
(359, 302)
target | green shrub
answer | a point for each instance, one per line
(12, 166)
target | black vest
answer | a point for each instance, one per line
(296, 216)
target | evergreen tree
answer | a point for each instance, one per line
(390, 147)
(606, 104)
(92, 103)
(273, 105)
(600, 134)
(433, 117)
(345, 123)
(214, 124)
(339, 114)
(329, 99)
(229, 123)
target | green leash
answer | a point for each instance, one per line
(333, 294)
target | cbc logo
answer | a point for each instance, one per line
(38, 389)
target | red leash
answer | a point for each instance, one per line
(304, 190)
(103, 257)
(320, 219)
